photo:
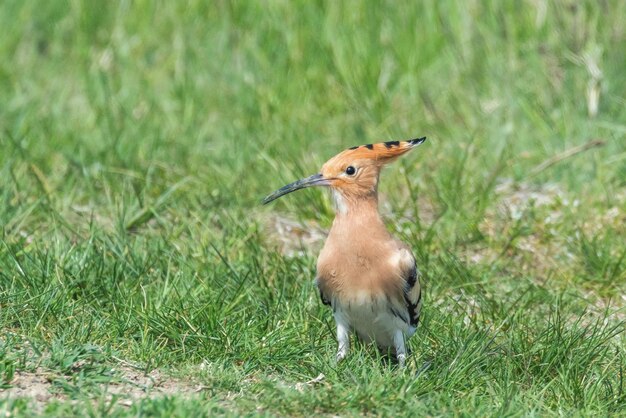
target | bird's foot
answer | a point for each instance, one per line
(398, 341)
(401, 360)
(343, 339)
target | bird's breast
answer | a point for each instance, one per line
(356, 275)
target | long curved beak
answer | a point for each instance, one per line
(314, 180)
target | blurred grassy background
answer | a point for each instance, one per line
(138, 137)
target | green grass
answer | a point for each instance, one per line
(138, 138)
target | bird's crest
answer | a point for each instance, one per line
(382, 152)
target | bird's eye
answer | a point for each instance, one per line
(350, 170)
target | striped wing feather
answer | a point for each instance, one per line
(413, 295)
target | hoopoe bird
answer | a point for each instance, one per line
(368, 277)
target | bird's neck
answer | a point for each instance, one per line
(356, 207)
(357, 218)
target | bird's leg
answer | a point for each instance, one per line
(398, 342)
(343, 338)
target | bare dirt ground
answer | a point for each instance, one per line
(42, 386)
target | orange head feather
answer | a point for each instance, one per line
(353, 172)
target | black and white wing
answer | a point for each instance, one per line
(412, 293)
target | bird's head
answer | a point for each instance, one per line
(352, 173)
